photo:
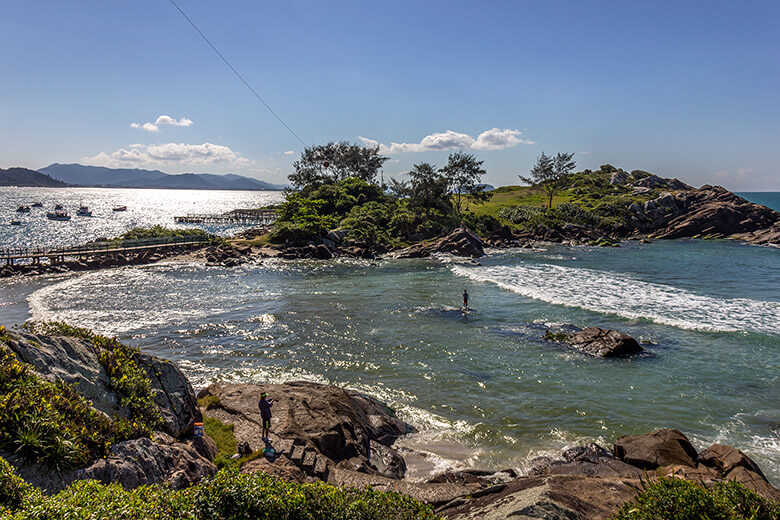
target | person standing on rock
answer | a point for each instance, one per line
(265, 405)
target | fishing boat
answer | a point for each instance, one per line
(23, 209)
(57, 214)
(16, 222)
(119, 208)
(83, 211)
(37, 204)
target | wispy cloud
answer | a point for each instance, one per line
(493, 139)
(289, 152)
(160, 121)
(169, 154)
(739, 175)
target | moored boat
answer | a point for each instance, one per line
(58, 214)
(23, 209)
(16, 222)
(37, 204)
(119, 208)
(83, 211)
(58, 206)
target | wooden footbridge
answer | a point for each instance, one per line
(109, 248)
(239, 216)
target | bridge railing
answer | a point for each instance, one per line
(97, 247)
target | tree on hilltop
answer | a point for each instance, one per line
(334, 162)
(463, 173)
(549, 173)
(428, 188)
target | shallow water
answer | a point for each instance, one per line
(483, 387)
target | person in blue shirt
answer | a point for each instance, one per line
(265, 405)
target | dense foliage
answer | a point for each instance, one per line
(51, 423)
(334, 162)
(228, 495)
(162, 232)
(677, 499)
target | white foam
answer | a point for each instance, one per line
(625, 296)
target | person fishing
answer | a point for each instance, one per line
(265, 405)
(465, 299)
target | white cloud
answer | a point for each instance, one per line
(738, 176)
(584, 152)
(162, 120)
(289, 152)
(171, 154)
(493, 139)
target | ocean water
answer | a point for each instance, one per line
(483, 387)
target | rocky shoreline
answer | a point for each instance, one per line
(326, 433)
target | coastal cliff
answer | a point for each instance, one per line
(319, 434)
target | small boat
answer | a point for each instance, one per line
(58, 214)
(83, 211)
(23, 209)
(58, 206)
(16, 222)
(119, 208)
(37, 204)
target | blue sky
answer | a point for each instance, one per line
(683, 89)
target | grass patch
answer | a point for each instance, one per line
(210, 402)
(223, 434)
(561, 337)
(51, 423)
(228, 495)
(676, 499)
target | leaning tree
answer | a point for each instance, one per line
(550, 172)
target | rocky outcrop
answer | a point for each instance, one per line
(132, 463)
(174, 457)
(76, 361)
(315, 426)
(589, 482)
(659, 448)
(459, 242)
(227, 255)
(710, 211)
(598, 342)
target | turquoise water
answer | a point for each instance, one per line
(770, 199)
(484, 389)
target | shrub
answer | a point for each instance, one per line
(51, 423)
(224, 436)
(677, 499)
(13, 488)
(228, 495)
(162, 232)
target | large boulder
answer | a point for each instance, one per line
(732, 464)
(598, 342)
(131, 463)
(315, 422)
(665, 447)
(459, 242)
(76, 361)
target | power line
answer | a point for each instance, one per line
(236, 72)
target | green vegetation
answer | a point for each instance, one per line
(223, 435)
(228, 495)
(162, 232)
(561, 337)
(550, 173)
(13, 489)
(676, 499)
(335, 187)
(51, 423)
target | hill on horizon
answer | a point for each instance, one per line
(99, 176)
(25, 177)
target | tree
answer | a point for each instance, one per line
(429, 189)
(335, 162)
(549, 173)
(463, 173)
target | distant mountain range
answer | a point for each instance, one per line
(25, 177)
(80, 175)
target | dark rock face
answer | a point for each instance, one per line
(659, 448)
(316, 424)
(707, 211)
(132, 463)
(604, 343)
(459, 242)
(227, 256)
(173, 394)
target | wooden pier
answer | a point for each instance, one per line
(110, 248)
(239, 216)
